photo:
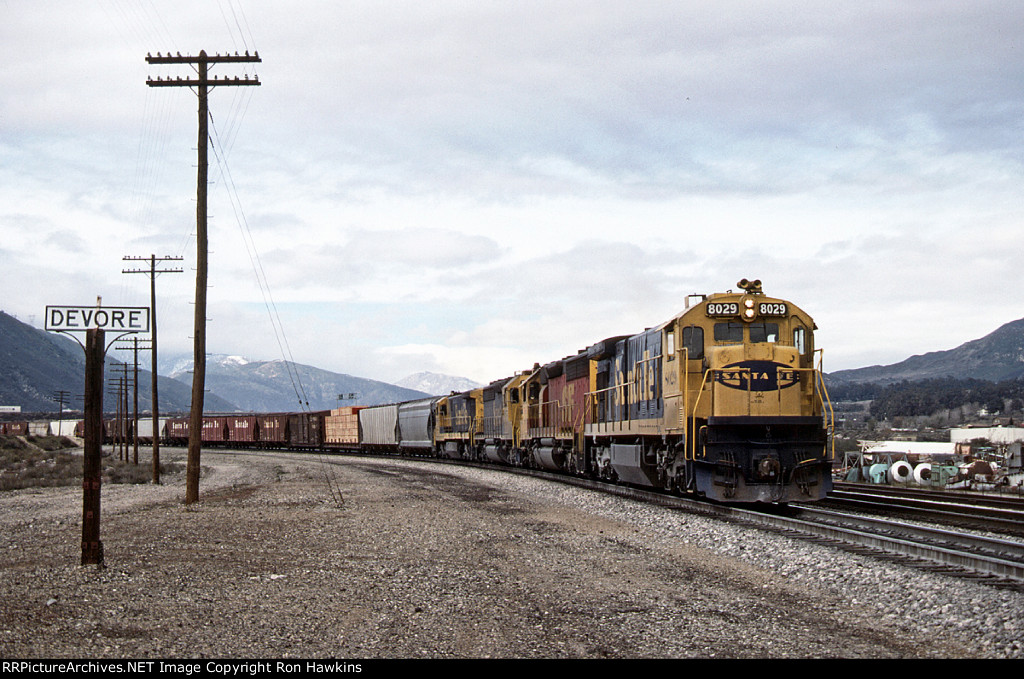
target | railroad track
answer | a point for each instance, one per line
(984, 557)
(966, 510)
(966, 497)
(992, 560)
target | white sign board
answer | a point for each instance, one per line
(80, 319)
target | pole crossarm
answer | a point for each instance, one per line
(152, 259)
(178, 58)
(215, 81)
(204, 60)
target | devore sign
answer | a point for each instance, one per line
(80, 319)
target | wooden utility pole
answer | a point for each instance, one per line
(60, 396)
(93, 321)
(135, 347)
(92, 548)
(153, 271)
(202, 84)
(135, 400)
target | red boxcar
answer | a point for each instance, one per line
(273, 430)
(215, 429)
(14, 428)
(176, 431)
(243, 429)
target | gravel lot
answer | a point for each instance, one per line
(430, 561)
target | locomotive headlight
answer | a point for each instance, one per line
(749, 303)
(748, 313)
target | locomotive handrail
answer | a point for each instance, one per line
(693, 414)
(544, 428)
(826, 401)
(590, 394)
(684, 358)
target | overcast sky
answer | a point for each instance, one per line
(472, 187)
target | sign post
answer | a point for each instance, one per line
(92, 548)
(94, 322)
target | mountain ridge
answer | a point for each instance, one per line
(280, 386)
(436, 384)
(995, 357)
(35, 364)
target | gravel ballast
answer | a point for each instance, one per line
(351, 557)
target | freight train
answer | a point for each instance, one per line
(723, 400)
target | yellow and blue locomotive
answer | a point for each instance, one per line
(723, 400)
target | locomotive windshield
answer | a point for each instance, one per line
(728, 332)
(764, 332)
(759, 332)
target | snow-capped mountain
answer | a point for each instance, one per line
(435, 384)
(282, 386)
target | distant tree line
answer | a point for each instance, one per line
(927, 397)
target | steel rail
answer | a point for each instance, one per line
(998, 518)
(961, 497)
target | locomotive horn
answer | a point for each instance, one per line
(753, 287)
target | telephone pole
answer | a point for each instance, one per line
(61, 397)
(134, 347)
(202, 83)
(152, 272)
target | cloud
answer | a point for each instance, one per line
(447, 182)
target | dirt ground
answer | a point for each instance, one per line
(307, 557)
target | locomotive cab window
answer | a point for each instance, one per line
(693, 342)
(764, 332)
(800, 341)
(670, 344)
(728, 332)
